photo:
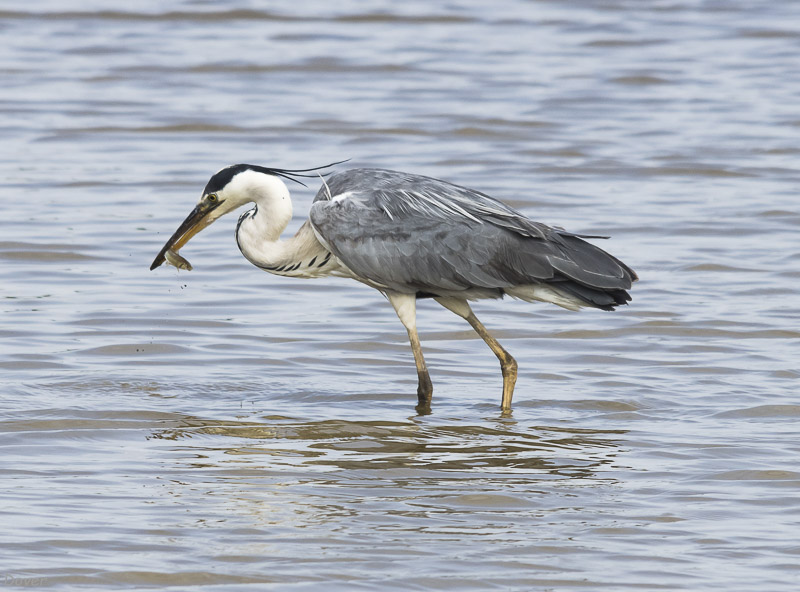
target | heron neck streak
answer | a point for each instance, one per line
(299, 256)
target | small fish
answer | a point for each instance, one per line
(176, 260)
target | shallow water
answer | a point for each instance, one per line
(226, 429)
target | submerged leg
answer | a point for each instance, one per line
(405, 305)
(508, 365)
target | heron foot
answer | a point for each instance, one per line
(424, 393)
(508, 367)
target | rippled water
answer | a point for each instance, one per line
(225, 429)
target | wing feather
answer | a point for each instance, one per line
(416, 234)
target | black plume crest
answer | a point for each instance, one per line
(223, 177)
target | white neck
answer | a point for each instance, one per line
(270, 196)
(259, 231)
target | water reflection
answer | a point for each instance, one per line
(500, 446)
(375, 489)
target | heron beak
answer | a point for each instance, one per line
(194, 223)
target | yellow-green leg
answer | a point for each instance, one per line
(508, 365)
(405, 305)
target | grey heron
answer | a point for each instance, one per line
(409, 236)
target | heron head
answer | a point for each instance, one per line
(231, 188)
(227, 190)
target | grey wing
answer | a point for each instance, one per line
(416, 234)
(400, 195)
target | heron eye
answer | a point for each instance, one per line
(212, 197)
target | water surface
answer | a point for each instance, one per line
(223, 429)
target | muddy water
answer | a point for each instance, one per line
(223, 429)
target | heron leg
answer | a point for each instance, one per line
(508, 365)
(405, 305)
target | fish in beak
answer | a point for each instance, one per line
(194, 223)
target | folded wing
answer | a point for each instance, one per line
(410, 233)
